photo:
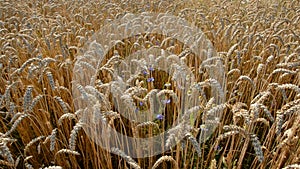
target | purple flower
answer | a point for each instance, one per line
(145, 72)
(166, 101)
(141, 103)
(160, 117)
(147, 6)
(151, 79)
(217, 148)
(137, 110)
(151, 68)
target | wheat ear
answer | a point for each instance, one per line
(165, 158)
(127, 158)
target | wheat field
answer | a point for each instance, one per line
(256, 65)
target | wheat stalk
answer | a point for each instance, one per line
(62, 104)
(53, 139)
(196, 145)
(165, 158)
(16, 123)
(27, 98)
(73, 135)
(66, 151)
(5, 152)
(35, 101)
(69, 116)
(127, 158)
(51, 80)
(33, 141)
(257, 147)
(292, 166)
(53, 167)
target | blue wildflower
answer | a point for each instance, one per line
(160, 117)
(151, 68)
(141, 103)
(166, 101)
(151, 79)
(145, 72)
(217, 148)
(147, 6)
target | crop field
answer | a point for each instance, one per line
(195, 84)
